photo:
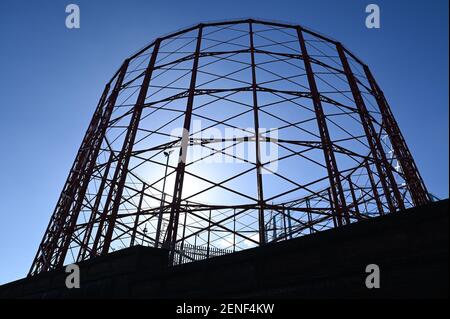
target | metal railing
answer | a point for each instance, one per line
(186, 253)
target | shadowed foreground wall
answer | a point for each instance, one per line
(411, 249)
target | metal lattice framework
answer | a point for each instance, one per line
(336, 154)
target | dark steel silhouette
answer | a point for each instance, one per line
(340, 158)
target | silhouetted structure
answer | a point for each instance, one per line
(336, 156)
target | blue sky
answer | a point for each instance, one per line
(52, 78)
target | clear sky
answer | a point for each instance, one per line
(51, 79)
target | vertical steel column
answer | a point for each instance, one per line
(234, 229)
(374, 189)
(274, 231)
(161, 206)
(95, 210)
(333, 211)
(383, 167)
(48, 248)
(102, 131)
(334, 176)
(289, 223)
(172, 228)
(355, 201)
(261, 204)
(184, 234)
(120, 174)
(138, 214)
(308, 206)
(414, 181)
(209, 234)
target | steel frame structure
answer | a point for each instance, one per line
(341, 156)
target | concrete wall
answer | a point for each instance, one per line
(411, 249)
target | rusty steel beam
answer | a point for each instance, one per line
(259, 182)
(354, 199)
(172, 228)
(383, 168)
(48, 249)
(115, 192)
(84, 249)
(334, 176)
(374, 187)
(414, 181)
